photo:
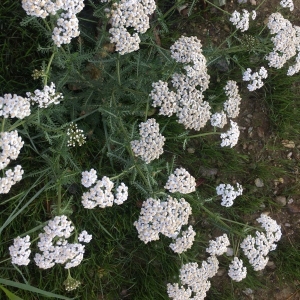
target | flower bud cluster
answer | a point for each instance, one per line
(75, 135)
(256, 249)
(286, 41)
(181, 181)
(232, 104)
(101, 193)
(237, 271)
(45, 97)
(255, 78)
(14, 106)
(230, 137)
(228, 193)
(165, 217)
(194, 280)
(129, 13)
(287, 3)
(186, 101)
(241, 21)
(71, 284)
(150, 146)
(67, 23)
(20, 251)
(184, 242)
(55, 247)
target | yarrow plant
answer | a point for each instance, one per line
(139, 104)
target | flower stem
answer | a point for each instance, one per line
(217, 7)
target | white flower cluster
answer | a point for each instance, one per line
(163, 97)
(20, 251)
(287, 3)
(240, 21)
(11, 144)
(14, 106)
(218, 246)
(255, 78)
(101, 193)
(187, 101)
(237, 271)
(88, 178)
(165, 217)
(184, 242)
(286, 41)
(256, 249)
(228, 193)
(194, 280)
(181, 181)
(11, 178)
(218, 119)
(84, 237)
(75, 136)
(67, 23)
(150, 146)
(230, 137)
(54, 245)
(129, 13)
(232, 104)
(45, 97)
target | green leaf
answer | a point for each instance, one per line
(9, 294)
(30, 288)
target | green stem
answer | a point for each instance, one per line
(3, 123)
(118, 69)
(59, 198)
(48, 68)
(217, 7)
(121, 174)
(194, 136)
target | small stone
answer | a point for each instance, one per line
(259, 182)
(191, 150)
(271, 265)
(288, 144)
(294, 208)
(221, 272)
(253, 2)
(281, 200)
(229, 251)
(260, 132)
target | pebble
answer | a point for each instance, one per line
(281, 200)
(259, 182)
(288, 144)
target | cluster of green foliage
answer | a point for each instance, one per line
(107, 96)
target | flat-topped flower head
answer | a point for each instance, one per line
(231, 137)
(181, 181)
(228, 193)
(150, 145)
(241, 21)
(88, 178)
(20, 251)
(219, 245)
(237, 271)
